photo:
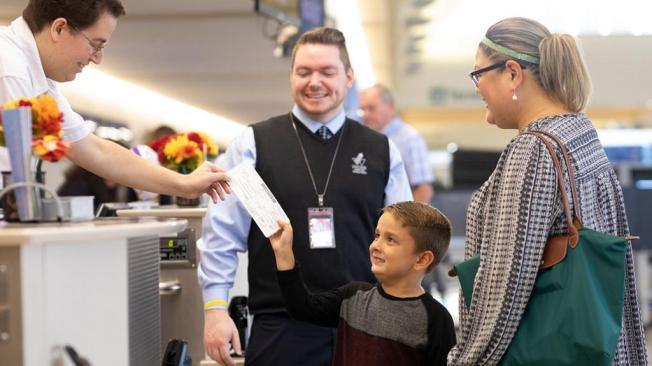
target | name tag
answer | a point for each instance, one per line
(321, 227)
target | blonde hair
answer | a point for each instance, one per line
(561, 71)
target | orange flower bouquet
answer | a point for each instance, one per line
(34, 134)
(47, 135)
(184, 152)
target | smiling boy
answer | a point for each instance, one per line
(394, 322)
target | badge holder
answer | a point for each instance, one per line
(321, 227)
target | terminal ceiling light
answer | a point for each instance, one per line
(101, 94)
(422, 3)
(347, 15)
(458, 25)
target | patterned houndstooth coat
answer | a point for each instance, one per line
(508, 222)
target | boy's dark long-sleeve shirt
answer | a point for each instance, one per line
(374, 328)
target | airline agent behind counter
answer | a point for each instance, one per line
(52, 42)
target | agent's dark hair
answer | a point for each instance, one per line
(561, 71)
(81, 14)
(327, 36)
(429, 228)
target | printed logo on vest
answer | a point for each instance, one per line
(359, 166)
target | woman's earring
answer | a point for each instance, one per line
(514, 97)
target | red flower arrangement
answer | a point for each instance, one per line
(184, 152)
(47, 135)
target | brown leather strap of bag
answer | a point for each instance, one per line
(571, 175)
(557, 246)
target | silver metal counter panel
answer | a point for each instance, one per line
(12, 234)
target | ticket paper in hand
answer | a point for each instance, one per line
(256, 198)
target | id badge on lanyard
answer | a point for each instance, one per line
(321, 227)
(321, 224)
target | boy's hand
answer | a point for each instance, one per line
(282, 239)
(282, 246)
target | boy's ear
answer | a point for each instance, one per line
(425, 259)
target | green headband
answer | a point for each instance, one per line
(511, 53)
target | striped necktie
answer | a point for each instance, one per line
(324, 133)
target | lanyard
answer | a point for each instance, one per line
(320, 197)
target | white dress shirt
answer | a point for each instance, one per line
(22, 75)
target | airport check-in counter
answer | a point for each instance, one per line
(182, 314)
(86, 286)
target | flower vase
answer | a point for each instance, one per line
(17, 125)
(8, 201)
(186, 202)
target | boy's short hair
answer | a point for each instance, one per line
(429, 228)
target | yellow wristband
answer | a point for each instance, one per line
(220, 303)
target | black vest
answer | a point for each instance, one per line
(356, 199)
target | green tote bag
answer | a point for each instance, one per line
(574, 313)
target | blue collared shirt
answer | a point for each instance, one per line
(413, 151)
(226, 225)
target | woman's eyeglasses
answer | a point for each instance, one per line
(475, 74)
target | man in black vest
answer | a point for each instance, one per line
(332, 176)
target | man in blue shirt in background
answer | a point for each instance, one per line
(332, 176)
(379, 113)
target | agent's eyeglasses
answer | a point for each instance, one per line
(96, 46)
(475, 75)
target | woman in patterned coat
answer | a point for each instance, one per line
(531, 79)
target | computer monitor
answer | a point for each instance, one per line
(305, 14)
(312, 14)
(285, 11)
(471, 168)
